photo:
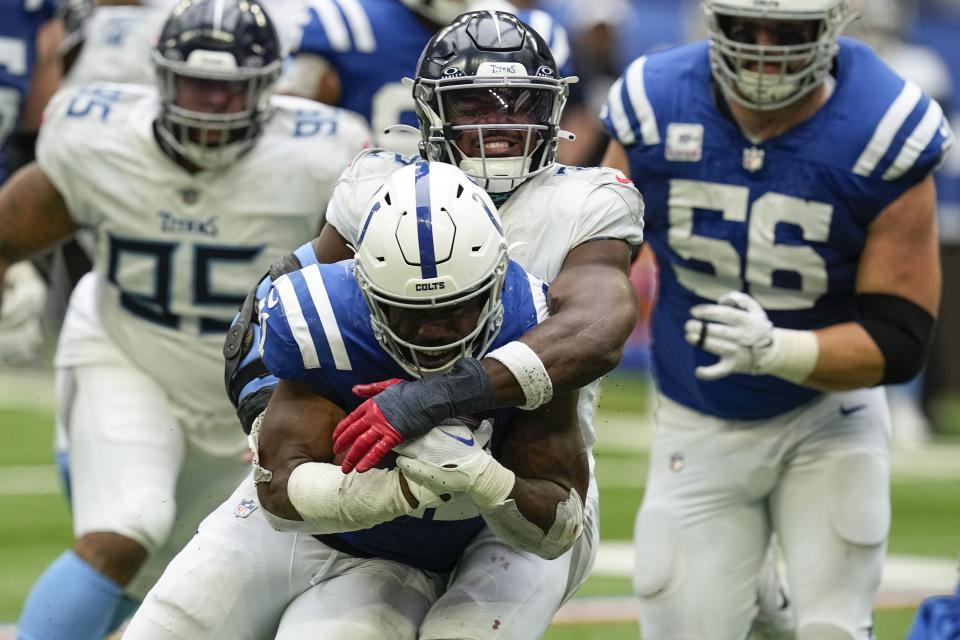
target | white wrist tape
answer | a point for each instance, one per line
(334, 502)
(528, 369)
(253, 441)
(513, 527)
(793, 355)
(493, 486)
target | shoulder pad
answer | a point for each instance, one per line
(284, 265)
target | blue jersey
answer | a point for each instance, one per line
(316, 329)
(20, 20)
(784, 221)
(373, 44)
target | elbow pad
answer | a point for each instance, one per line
(513, 527)
(902, 331)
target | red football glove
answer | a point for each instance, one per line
(366, 432)
(372, 389)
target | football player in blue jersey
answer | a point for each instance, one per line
(571, 226)
(355, 53)
(402, 551)
(28, 76)
(787, 176)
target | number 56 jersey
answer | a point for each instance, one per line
(175, 252)
(785, 220)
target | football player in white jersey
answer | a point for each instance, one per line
(787, 172)
(573, 227)
(191, 189)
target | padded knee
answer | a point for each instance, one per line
(860, 505)
(655, 541)
(149, 517)
(826, 631)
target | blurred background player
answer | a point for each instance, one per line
(389, 558)
(29, 72)
(192, 188)
(795, 222)
(355, 53)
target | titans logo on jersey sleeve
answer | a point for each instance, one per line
(316, 328)
(784, 221)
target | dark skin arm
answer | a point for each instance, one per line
(33, 216)
(593, 309)
(545, 449)
(297, 428)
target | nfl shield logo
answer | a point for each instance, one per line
(753, 159)
(245, 508)
(190, 196)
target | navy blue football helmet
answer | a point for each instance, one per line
(489, 98)
(216, 62)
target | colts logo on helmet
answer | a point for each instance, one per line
(430, 286)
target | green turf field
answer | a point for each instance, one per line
(37, 526)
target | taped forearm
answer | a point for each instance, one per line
(330, 501)
(516, 530)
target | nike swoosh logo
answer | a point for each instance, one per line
(466, 441)
(844, 411)
(272, 299)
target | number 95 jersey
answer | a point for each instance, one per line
(175, 252)
(784, 220)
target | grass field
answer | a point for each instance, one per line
(926, 495)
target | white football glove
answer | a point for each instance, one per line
(738, 330)
(450, 459)
(24, 295)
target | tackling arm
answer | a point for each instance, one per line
(532, 494)
(33, 216)
(593, 308)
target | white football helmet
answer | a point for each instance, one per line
(432, 240)
(738, 66)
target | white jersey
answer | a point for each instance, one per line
(117, 41)
(546, 217)
(175, 252)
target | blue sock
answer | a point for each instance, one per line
(62, 459)
(125, 610)
(70, 600)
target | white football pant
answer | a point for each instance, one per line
(819, 476)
